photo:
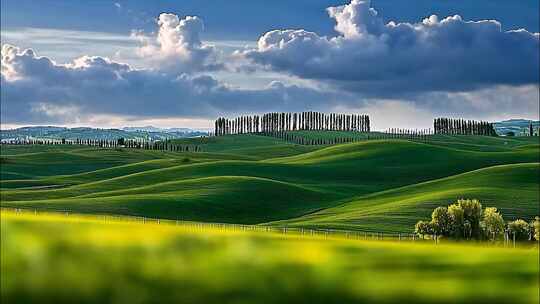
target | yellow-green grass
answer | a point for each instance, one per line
(513, 189)
(59, 259)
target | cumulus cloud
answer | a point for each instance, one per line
(393, 59)
(177, 45)
(37, 90)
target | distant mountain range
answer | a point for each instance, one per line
(519, 127)
(51, 132)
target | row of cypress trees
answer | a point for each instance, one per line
(463, 127)
(277, 122)
(165, 145)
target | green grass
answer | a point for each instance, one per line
(513, 189)
(383, 185)
(255, 146)
(58, 259)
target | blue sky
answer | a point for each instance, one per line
(223, 69)
(246, 20)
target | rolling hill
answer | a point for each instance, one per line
(370, 185)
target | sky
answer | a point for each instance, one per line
(184, 63)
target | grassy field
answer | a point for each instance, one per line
(66, 259)
(376, 185)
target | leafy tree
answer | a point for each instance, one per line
(440, 219)
(472, 212)
(456, 214)
(423, 228)
(467, 229)
(520, 229)
(493, 223)
(536, 226)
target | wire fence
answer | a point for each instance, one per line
(292, 231)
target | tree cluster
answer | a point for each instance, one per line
(165, 145)
(279, 122)
(466, 219)
(451, 126)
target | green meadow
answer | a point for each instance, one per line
(62, 249)
(369, 185)
(53, 258)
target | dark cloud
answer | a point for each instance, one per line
(393, 59)
(38, 90)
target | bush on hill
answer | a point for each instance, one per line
(520, 229)
(466, 219)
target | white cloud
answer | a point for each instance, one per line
(178, 46)
(389, 60)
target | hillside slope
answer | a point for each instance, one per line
(257, 179)
(513, 189)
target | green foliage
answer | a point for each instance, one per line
(461, 219)
(536, 225)
(520, 229)
(423, 228)
(441, 221)
(472, 213)
(493, 223)
(457, 219)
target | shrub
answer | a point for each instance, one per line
(520, 228)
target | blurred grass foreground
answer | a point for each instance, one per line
(70, 259)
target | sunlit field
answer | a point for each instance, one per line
(49, 258)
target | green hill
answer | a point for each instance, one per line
(513, 189)
(368, 185)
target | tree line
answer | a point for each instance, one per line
(451, 126)
(466, 219)
(394, 133)
(278, 122)
(165, 145)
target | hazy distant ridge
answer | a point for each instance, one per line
(52, 132)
